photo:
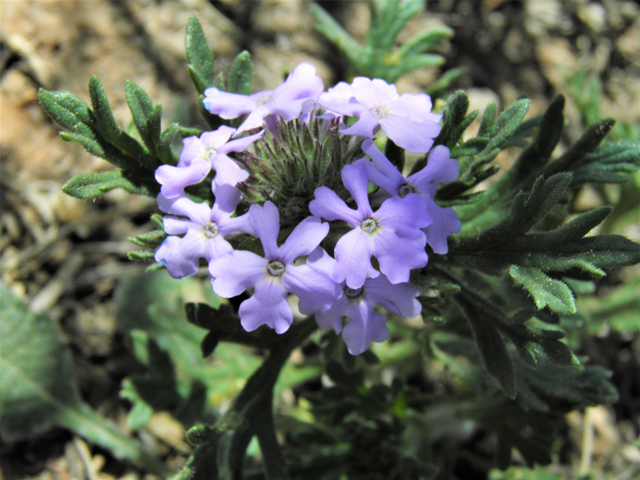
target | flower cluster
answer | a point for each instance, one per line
(304, 160)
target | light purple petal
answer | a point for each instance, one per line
(365, 325)
(383, 164)
(320, 260)
(235, 272)
(227, 171)
(315, 290)
(227, 105)
(200, 213)
(266, 223)
(254, 120)
(365, 126)
(332, 318)
(356, 181)
(270, 290)
(329, 206)
(169, 255)
(398, 256)
(405, 216)
(440, 168)
(240, 144)
(175, 179)
(445, 223)
(218, 138)
(399, 299)
(216, 247)
(176, 226)
(302, 83)
(227, 199)
(192, 149)
(304, 239)
(349, 109)
(254, 313)
(353, 259)
(416, 108)
(241, 224)
(373, 93)
(181, 256)
(412, 136)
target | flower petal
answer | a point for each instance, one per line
(265, 222)
(364, 127)
(353, 259)
(332, 318)
(227, 105)
(412, 136)
(304, 239)
(315, 290)
(170, 255)
(365, 325)
(356, 181)
(175, 179)
(254, 313)
(445, 223)
(235, 272)
(398, 256)
(399, 299)
(404, 216)
(329, 206)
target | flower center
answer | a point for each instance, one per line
(264, 99)
(276, 268)
(379, 112)
(404, 190)
(353, 293)
(211, 153)
(369, 225)
(211, 229)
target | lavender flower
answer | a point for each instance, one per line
(199, 155)
(275, 275)
(406, 119)
(204, 230)
(285, 100)
(392, 233)
(440, 168)
(365, 325)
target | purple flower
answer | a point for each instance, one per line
(285, 100)
(440, 168)
(365, 325)
(275, 275)
(204, 230)
(392, 234)
(406, 119)
(199, 155)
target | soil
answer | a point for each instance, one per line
(65, 256)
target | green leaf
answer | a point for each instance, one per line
(145, 116)
(107, 128)
(240, 80)
(545, 291)
(493, 351)
(150, 239)
(199, 56)
(91, 185)
(153, 303)
(38, 389)
(68, 111)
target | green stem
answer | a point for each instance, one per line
(247, 414)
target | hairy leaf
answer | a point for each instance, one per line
(545, 291)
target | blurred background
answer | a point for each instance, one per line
(66, 257)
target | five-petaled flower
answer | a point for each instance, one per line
(275, 274)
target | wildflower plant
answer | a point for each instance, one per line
(298, 206)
